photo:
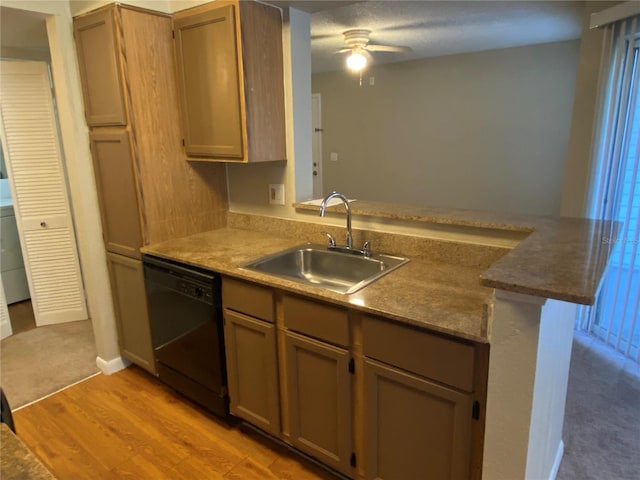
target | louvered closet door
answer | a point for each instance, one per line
(30, 141)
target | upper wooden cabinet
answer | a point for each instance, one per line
(230, 80)
(148, 193)
(146, 189)
(104, 102)
(116, 186)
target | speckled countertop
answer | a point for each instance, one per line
(560, 258)
(437, 295)
(17, 461)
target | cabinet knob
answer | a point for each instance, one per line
(43, 224)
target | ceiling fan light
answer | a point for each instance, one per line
(356, 61)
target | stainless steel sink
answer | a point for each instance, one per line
(316, 265)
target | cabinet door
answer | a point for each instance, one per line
(130, 305)
(209, 83)
(99, 64)
(414, 429)
(319, 391)
(115, 182)
(252, 370)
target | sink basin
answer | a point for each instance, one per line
(316, 265)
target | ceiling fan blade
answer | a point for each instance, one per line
(343, 50)
(387, 48)
(322, 36)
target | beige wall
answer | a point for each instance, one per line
(485, 130)
(578, 167)
(25, 54)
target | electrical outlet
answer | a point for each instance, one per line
(276, 194)
(333, 156)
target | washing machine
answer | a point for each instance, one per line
(14, 277)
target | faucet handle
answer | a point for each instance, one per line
(366, 249)
(332, 240)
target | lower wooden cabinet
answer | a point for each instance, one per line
(252, 372)
(414, 428)
(319, 391)
(130, 306)
(404, 411)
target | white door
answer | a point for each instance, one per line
(30, 140)
(317, 145)
(5, 323)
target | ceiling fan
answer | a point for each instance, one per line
(357, 42)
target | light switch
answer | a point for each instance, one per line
(276, 194)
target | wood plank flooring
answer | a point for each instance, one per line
(129, 425)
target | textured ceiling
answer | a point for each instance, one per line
(429, 28)
(441, 28)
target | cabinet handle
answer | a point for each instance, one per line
(43, 224)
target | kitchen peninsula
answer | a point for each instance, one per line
(508, 311)
(456, 362)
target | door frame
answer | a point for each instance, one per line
(86, 212)
(316, 152)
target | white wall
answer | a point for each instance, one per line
(514, 331)
(531, 341)
(486, 130)
(550, 389)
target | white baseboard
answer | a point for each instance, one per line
(112, 366)
(557, 461)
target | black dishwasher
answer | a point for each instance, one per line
(185, 313)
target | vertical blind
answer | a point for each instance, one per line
(615, 192)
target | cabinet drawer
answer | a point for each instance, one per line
(248, 298)
(324, 322)
(440, 359)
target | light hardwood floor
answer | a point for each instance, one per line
(129, 425)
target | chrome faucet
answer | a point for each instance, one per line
(366, 251)
(344, 199)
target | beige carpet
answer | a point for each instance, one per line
(602, 417)
(38, 362)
